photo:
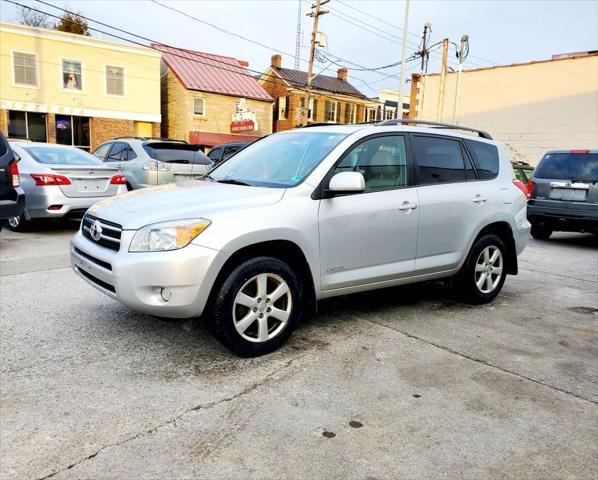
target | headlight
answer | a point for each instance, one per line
(167, 235)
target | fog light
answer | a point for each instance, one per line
(166, 294)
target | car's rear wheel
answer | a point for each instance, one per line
(18, 224)
(257, 307)
(482, 276)
(540, 232)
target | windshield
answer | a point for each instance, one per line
(568, 166)
(62, 156)
(278, 161)
(177, 153)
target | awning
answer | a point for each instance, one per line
(212, 139)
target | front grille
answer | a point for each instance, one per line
(110, 232)
(92, 259)
(97, 281)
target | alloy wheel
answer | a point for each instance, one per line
(488, 269)
(14, 222)
(262, 307)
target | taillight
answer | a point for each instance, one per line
(119, 179)
(530, 189)
(14, 175)
(46, 179)
(520, 185)
(579, 151)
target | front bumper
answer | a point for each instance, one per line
(137, 279)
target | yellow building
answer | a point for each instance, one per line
(531, 107)
(76, 90)
(211, 99)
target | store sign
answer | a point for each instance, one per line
(243, 120)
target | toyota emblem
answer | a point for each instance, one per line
(96, 230)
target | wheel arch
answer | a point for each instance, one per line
(285, 250)
(504, 231)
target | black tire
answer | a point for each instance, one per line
(222, 322)
(541, 232)
(465, 281)
(19, 224)
(129, 187)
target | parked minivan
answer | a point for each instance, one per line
(308, 214)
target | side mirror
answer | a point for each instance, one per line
(347, 182)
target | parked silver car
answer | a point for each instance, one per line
(308, 214)
(61, 181)
(148, 162)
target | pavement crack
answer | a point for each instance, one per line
(485, 362)
(172, 421)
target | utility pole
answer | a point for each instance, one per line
(463, 52)
(315, 13)
(439, 110)
(425, 55)
(399, 113)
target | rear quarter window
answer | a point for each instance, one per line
(485, 158)
(183, 153)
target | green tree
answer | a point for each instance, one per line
(72, 23)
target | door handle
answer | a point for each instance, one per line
(479, 200)
(408, 206)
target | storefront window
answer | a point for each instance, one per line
(71, 130)
(29, 125)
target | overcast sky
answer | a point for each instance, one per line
(500, 32)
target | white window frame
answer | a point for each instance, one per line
(335, 103)
(203, 100)
(83, 82)
(310, 109)
(282, 107)
(106, 66)
(14, 77)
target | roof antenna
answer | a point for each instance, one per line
(298, 37)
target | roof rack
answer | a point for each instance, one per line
(401, 121)
(131, 137)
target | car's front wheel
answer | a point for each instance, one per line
(257, 306)
(482, 276)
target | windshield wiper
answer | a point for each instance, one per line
(232, 181)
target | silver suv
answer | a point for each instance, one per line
(307, 214)
(147, 162)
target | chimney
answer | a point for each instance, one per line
(276, 61)
(342, 74)
(244, 63)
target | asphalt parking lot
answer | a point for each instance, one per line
(404, 383)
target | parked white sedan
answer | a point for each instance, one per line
(61, 181)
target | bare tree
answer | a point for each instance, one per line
(32, 17)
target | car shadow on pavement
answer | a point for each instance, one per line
(572, 239)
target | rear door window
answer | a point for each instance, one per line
(485, 158)
(440, 160)
(182, 153)
(568, 166)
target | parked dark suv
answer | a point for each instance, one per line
(564, 193)
(12, 198)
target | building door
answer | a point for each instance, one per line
(72, 130)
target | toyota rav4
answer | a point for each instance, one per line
(307, 214)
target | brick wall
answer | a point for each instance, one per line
(104, 129)
(4, 122)
(51, 127)
(178, 118)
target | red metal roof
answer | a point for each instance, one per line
(206, 72)
(212, 139)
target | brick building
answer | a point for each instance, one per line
(76, 90)
(211, 99)
(333, 100)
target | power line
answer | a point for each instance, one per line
(239, 70)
